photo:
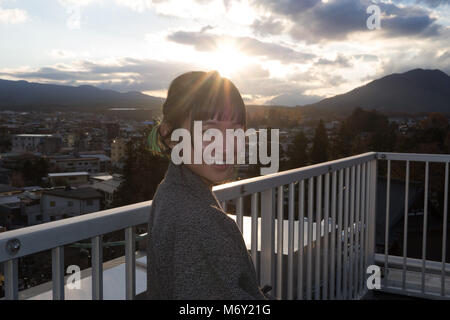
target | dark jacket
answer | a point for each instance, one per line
(195, 251)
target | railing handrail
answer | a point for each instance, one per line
(418, 157)
(249, 186)
(53, 234)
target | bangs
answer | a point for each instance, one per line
(218, 99)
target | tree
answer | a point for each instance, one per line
(319, 152)
(142, 173)
(296, 153)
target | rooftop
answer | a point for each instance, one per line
(68, 174)
(80, 193)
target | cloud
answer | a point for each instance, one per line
(202, 41)
(13, 16)
(425, 58)
(267, 26)
(434, 3)
(340, 61)
(287, 7)
(317, 21)
(74, 11)
(126, 74)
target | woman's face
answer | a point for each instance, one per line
(214, 173)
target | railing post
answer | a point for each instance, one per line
(372, 211)
(267, 238)
(11, 280)
(58, 273)
(97, 268)
(130, 263)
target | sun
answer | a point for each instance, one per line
(227, 59)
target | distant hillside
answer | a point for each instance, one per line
(415, 91)
(36, 96)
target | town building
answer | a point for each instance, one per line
(68, 178)
(43, 143)
(63, 203)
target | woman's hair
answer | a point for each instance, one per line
(197, 95)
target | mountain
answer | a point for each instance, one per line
(414, 91)
(36, 96)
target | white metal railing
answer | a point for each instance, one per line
(408, 266)
(329, 244)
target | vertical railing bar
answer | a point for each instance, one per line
(58, 273)
(326, 230)
(309, 241)
(367, 215)
(387, 223)
(291, 243)
(373, 202)
(130, 263)
(357, 231)
(318, 236)
(351, 224)
(240, 214)
(301, 238)
(363, 210)
(267, 238)
(280, 204)
(405, 226)
(346, 214)
(424, 232)
(11, 270)
(339, 235)
(254, 244)
(333, 236)
(444, 232)
(97, 268)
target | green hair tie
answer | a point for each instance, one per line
(153, 142)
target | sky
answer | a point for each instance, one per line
(290, 52)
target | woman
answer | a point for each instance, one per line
(195, 251)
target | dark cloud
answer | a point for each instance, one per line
(421, 25)
(316, 21)
(202, 41)
(434, 3)
(267, 26)
(126, 75)
(287, 7)
(340, 61)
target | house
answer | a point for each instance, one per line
(7, 190)
(10, 211)
(63, 203)
(104, 162)
(74, 164)
(118, 151)
(44, 143)
(107, 187)
(68, 178)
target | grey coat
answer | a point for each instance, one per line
(195, 251)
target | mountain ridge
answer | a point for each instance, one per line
(414, 91)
